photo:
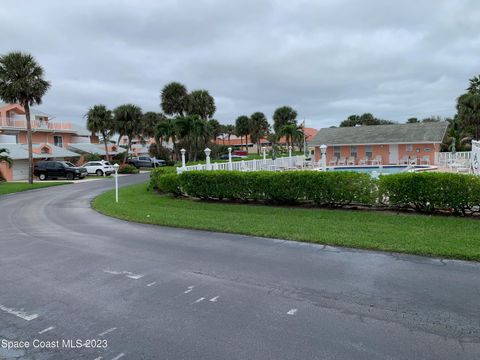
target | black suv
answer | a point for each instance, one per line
(58, 169)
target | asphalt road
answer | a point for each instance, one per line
(67, 272)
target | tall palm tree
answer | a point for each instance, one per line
(174, 99)
(229, 130)
(22, 82)
(242, 125)
(258, 128)
(128, 121)
(166, 131)
(100, 120)
(291, 132)
(201, 103)
(194, 132)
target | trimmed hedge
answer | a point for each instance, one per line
(156, 173)
(331, 189)
(127, 169)
(422, 191)
(432, 192)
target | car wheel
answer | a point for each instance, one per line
(42, 177)
(99, 172)
(70, 176)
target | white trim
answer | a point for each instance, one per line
(391, 143)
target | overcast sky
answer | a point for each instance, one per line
(326, 58)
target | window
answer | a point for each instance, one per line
(427, 149)
(58, 140)
(353, 151)
(409, 147)
(336, 151)
(368, 151)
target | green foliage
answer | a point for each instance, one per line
(127, 169)
(365, 120)
(331, 189)
(128, 121)
(174, 99)
(92, 157)
(201, 103)
(4, 157)
(155, 175)
(169, 183)
(431, 192)
(284, 115)
(100, 120)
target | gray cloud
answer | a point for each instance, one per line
(328, 59)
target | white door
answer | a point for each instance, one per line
(393, 154)
(20, 169)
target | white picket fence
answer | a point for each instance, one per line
(279, 164)
(446, 158)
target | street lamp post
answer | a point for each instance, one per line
(183, 151)
(115, 167)
(230, 158)
(207, 154)
(323, 149)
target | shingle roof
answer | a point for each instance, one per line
(93, 149)
(433, 132)
(20, 151)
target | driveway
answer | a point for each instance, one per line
(67, 272)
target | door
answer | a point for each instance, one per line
(393, 153)
(20, 170)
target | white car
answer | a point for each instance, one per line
(99, 168)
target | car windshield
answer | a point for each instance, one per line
(68, 163)
(106, 163)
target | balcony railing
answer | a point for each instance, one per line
(15, 123)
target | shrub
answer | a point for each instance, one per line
(323, 188)
(156, 173)
(169, 183)
(127, 169)
(430, 192)
(92, 157)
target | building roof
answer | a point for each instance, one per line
(98, 149)
(20, 151)
(431, 132)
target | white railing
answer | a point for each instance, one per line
(446, 158)
(16, 123)
(279, 164)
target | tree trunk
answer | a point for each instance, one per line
(106, 146)
(26, 106)
(128, 149)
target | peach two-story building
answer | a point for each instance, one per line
(390, 144)
(50, 139)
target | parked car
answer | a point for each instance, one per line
(99, 168)
(145, 161)
(225, 157)
(58, 169)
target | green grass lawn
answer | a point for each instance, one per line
(13, 187)
(406, 233)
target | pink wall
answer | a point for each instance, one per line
(6, 172)
(383, 151)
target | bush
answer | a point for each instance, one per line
(430, 192)
(169, 183)
(92, 157)
(127, 169)
(323, 188)
(156, 173)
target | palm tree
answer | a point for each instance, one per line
(166, 131)
(201, 103)
(258, 128)
(291, 132)
(194, 132)
(229, 130)
(100, 119)
(22, 82)
(284, 115)
(128, 121)
(174, 99)
(468, 106)
(242, 125)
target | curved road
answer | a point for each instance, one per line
(67, 272)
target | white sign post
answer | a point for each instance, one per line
(475, 161)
